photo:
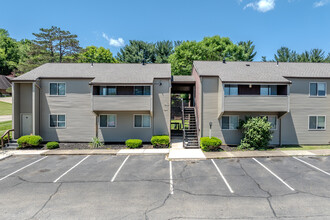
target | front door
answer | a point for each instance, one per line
(26, 125)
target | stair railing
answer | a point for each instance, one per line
(3, 136)
(183, 124)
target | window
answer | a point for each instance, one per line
(57, 89)
(57, 121)
(273, 121)
(268, 90)
(229, 122)
(231, 89)
(142, 121)
(317, 89)
(108, 121)
(141, 90)
(108, 90)
(316, 123)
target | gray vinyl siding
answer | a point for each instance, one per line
(25, 94)
(16, 110)
(256, 103)
(161, 106)
(123, 103)
(295, 124)
(125, 128)
(76, 105)
(37, 109)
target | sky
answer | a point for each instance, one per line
(298, 24)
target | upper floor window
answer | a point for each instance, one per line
(108, 90)
(268, 90)
(57, 89)
(108, 121)
(231, 89)
(142, 90)
(142, 121)
(57, 121)
(229, 122)
(316, 123)
(317, 89)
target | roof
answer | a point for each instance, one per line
(183, 79)
(100, 72)
(4, 82)
(261, 71)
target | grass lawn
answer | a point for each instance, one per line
(303, 147)
(5, 108)
(180, 122)
(4, 126)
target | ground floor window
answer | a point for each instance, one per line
(272, 119)
(229, 122)
(108, 121)
(142, 121)
(316, 123)
(57, 121)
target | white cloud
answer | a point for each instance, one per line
(320, 3)
(114, 42)
(262, 5)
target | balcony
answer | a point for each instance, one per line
(122, 103)
(256, 103)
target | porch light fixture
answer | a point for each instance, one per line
(250, 86)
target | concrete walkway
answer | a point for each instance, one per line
(4, 118)
(6, 99)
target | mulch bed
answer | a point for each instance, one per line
(81, 146)
(228, 147)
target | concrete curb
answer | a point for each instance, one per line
(143, 151)
(80, 152)
(4, 156)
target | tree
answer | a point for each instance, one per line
(9, 53)
(93, 54)
(210, 48)
(163, 49)
(57, 43)
(137, 51)
(264, 59)
(317, 56)
(284, 54)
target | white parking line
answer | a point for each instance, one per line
(274, 174)
(23, 168)
(222, 176)
(114, 177)
(71, 169)
(171, 179)
(312, 166)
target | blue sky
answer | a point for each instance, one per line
(298, 24)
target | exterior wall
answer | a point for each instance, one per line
(295, 124)
(25, 94)
(125, 128)
(260, 103)
(76, 105)
(37, 109)
(16, 110)
(161, 107)
(198, 99)
(122, 103)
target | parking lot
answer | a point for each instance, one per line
(151, 187)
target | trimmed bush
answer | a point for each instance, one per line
(256, 134)
(29, 141)
(161, 141)
(210, 144)
(133, 143)
(52, 145)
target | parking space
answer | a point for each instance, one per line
(150, 187)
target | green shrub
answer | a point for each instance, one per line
(29, 141)
(160, 141)
(133, 143)
(256, 134)
(52, 145)
(96, 143)
(210, 144)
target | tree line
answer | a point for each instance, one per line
(54, 45)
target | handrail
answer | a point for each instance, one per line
(183, 123)
(2, 137)
(197, 125)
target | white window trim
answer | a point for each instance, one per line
(229, 123)
(57, 87)
(325, 122)
(142, 120)
(107, 119)
(57, 121)
(268, 121)
(317, 96)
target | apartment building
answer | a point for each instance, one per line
(115, 102)
(76, 102)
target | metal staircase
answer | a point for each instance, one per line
(190, 134)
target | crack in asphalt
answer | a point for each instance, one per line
(50, 197)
